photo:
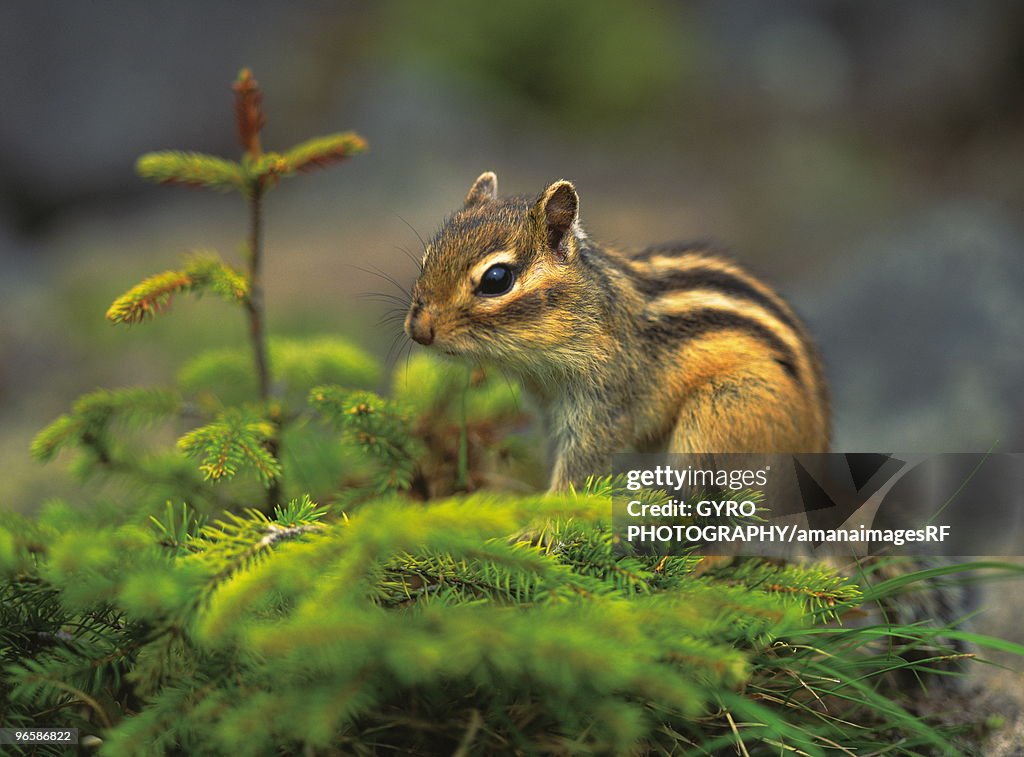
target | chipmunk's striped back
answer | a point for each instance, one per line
(676, 347)
(727, 327)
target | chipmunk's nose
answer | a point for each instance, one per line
(419, 325)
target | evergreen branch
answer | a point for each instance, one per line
(147, 298)
(378, 427)
(817, 586)
(138, 404)
(321, 152)
(236, 438)
(177, 533)
(236, 543)
(276, 533)
(298, 512)
(91, 415)
(191, 169)
(32, 677)
(266, 169)
(203, 270)
(208, 271)
(62, 432)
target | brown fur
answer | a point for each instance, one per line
(676, 347)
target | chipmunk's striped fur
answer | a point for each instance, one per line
(676, 347)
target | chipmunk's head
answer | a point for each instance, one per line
(501, 279)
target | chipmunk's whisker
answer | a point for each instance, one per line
(374, 271)
(511, 386)
(408, 355)
(384, 297)
(423, 245)
(392, 316)
(396, 344)
(413, 258)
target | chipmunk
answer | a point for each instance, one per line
(674, 348)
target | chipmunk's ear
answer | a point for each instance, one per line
(484, 189)
(558, 209)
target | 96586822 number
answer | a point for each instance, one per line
(38, 735)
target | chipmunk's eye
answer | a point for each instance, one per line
(497, 279)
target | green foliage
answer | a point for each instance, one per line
(8, 557)
(202, 272)
(177, 531)
(816, 586)
(592, 64)
(470, 421)
(436, 389)
(208, 271)
(380, 429)
(423, 609)
(191, 169)
(148, 297)
(237, 407)
(89, 423)
(415, 629)
(321, 152)
(299, 365)
(236, 438)
(397, 446)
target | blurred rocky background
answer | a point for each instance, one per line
(866, 157)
